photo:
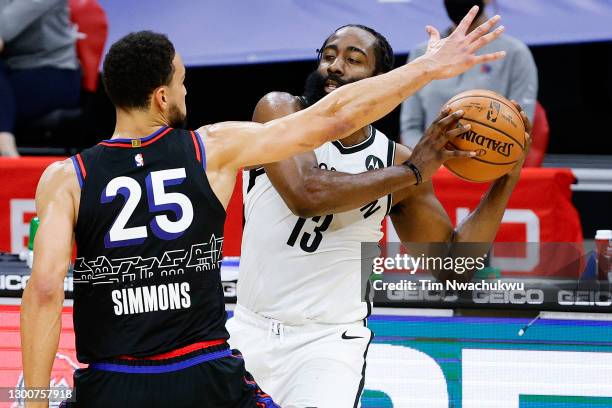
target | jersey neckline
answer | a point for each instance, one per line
(138, 142)
(358, 147)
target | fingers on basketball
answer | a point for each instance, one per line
(524, 117)
(443, 113)
(492, 162)
(527, 122)
(451, 119)
(459, 129)
(453, 154)
(450, 152)
(516, 105)
(448, 122)
(528, 141)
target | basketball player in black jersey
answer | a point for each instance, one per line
(146, 210)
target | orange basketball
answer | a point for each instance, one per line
(497, 132)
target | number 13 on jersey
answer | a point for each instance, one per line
(318, 233)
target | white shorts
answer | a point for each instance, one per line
(315, 365)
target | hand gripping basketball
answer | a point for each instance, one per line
(516, 170)
(429, 154)
(497, 132)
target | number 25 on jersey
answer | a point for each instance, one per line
(158, 200)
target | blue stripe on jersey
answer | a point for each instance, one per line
(77, 168)
(158, 369)
(202, 150)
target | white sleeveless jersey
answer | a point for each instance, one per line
(304, 270)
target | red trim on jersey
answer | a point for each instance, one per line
(82, 166)
(197, 146)
(143, 144)
(179, 352)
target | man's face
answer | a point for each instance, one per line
(348, 56)
(177, 112)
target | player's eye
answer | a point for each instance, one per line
(328, 57)
(353, 61)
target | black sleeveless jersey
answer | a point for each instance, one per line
(149, 238)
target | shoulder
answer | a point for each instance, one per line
(279, 99)
(59, 171)
(58, 180)
(271, 106)
(219, 132)
(274, 105)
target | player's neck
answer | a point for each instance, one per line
(357, 137)
(135, 124)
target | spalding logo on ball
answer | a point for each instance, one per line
(497, 132)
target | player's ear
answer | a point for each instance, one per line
(160, 98)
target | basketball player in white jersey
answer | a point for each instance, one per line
(300, 320)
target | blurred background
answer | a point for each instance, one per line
(237, 51)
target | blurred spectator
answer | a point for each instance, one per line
(39, 70)
(515, 77)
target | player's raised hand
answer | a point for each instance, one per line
(455, 54)
(429, 154)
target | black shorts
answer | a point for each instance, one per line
(205, 379)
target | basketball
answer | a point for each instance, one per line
(497, 132)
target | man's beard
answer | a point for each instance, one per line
(176, 119)
(314, 88)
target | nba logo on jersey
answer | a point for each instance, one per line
(139, 160)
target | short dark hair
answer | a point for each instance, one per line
(385, 59)
(135, 66)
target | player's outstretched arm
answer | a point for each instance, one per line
(308, 190)
(352, 106)
(43, 296)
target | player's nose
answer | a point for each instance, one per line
(336, 68)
